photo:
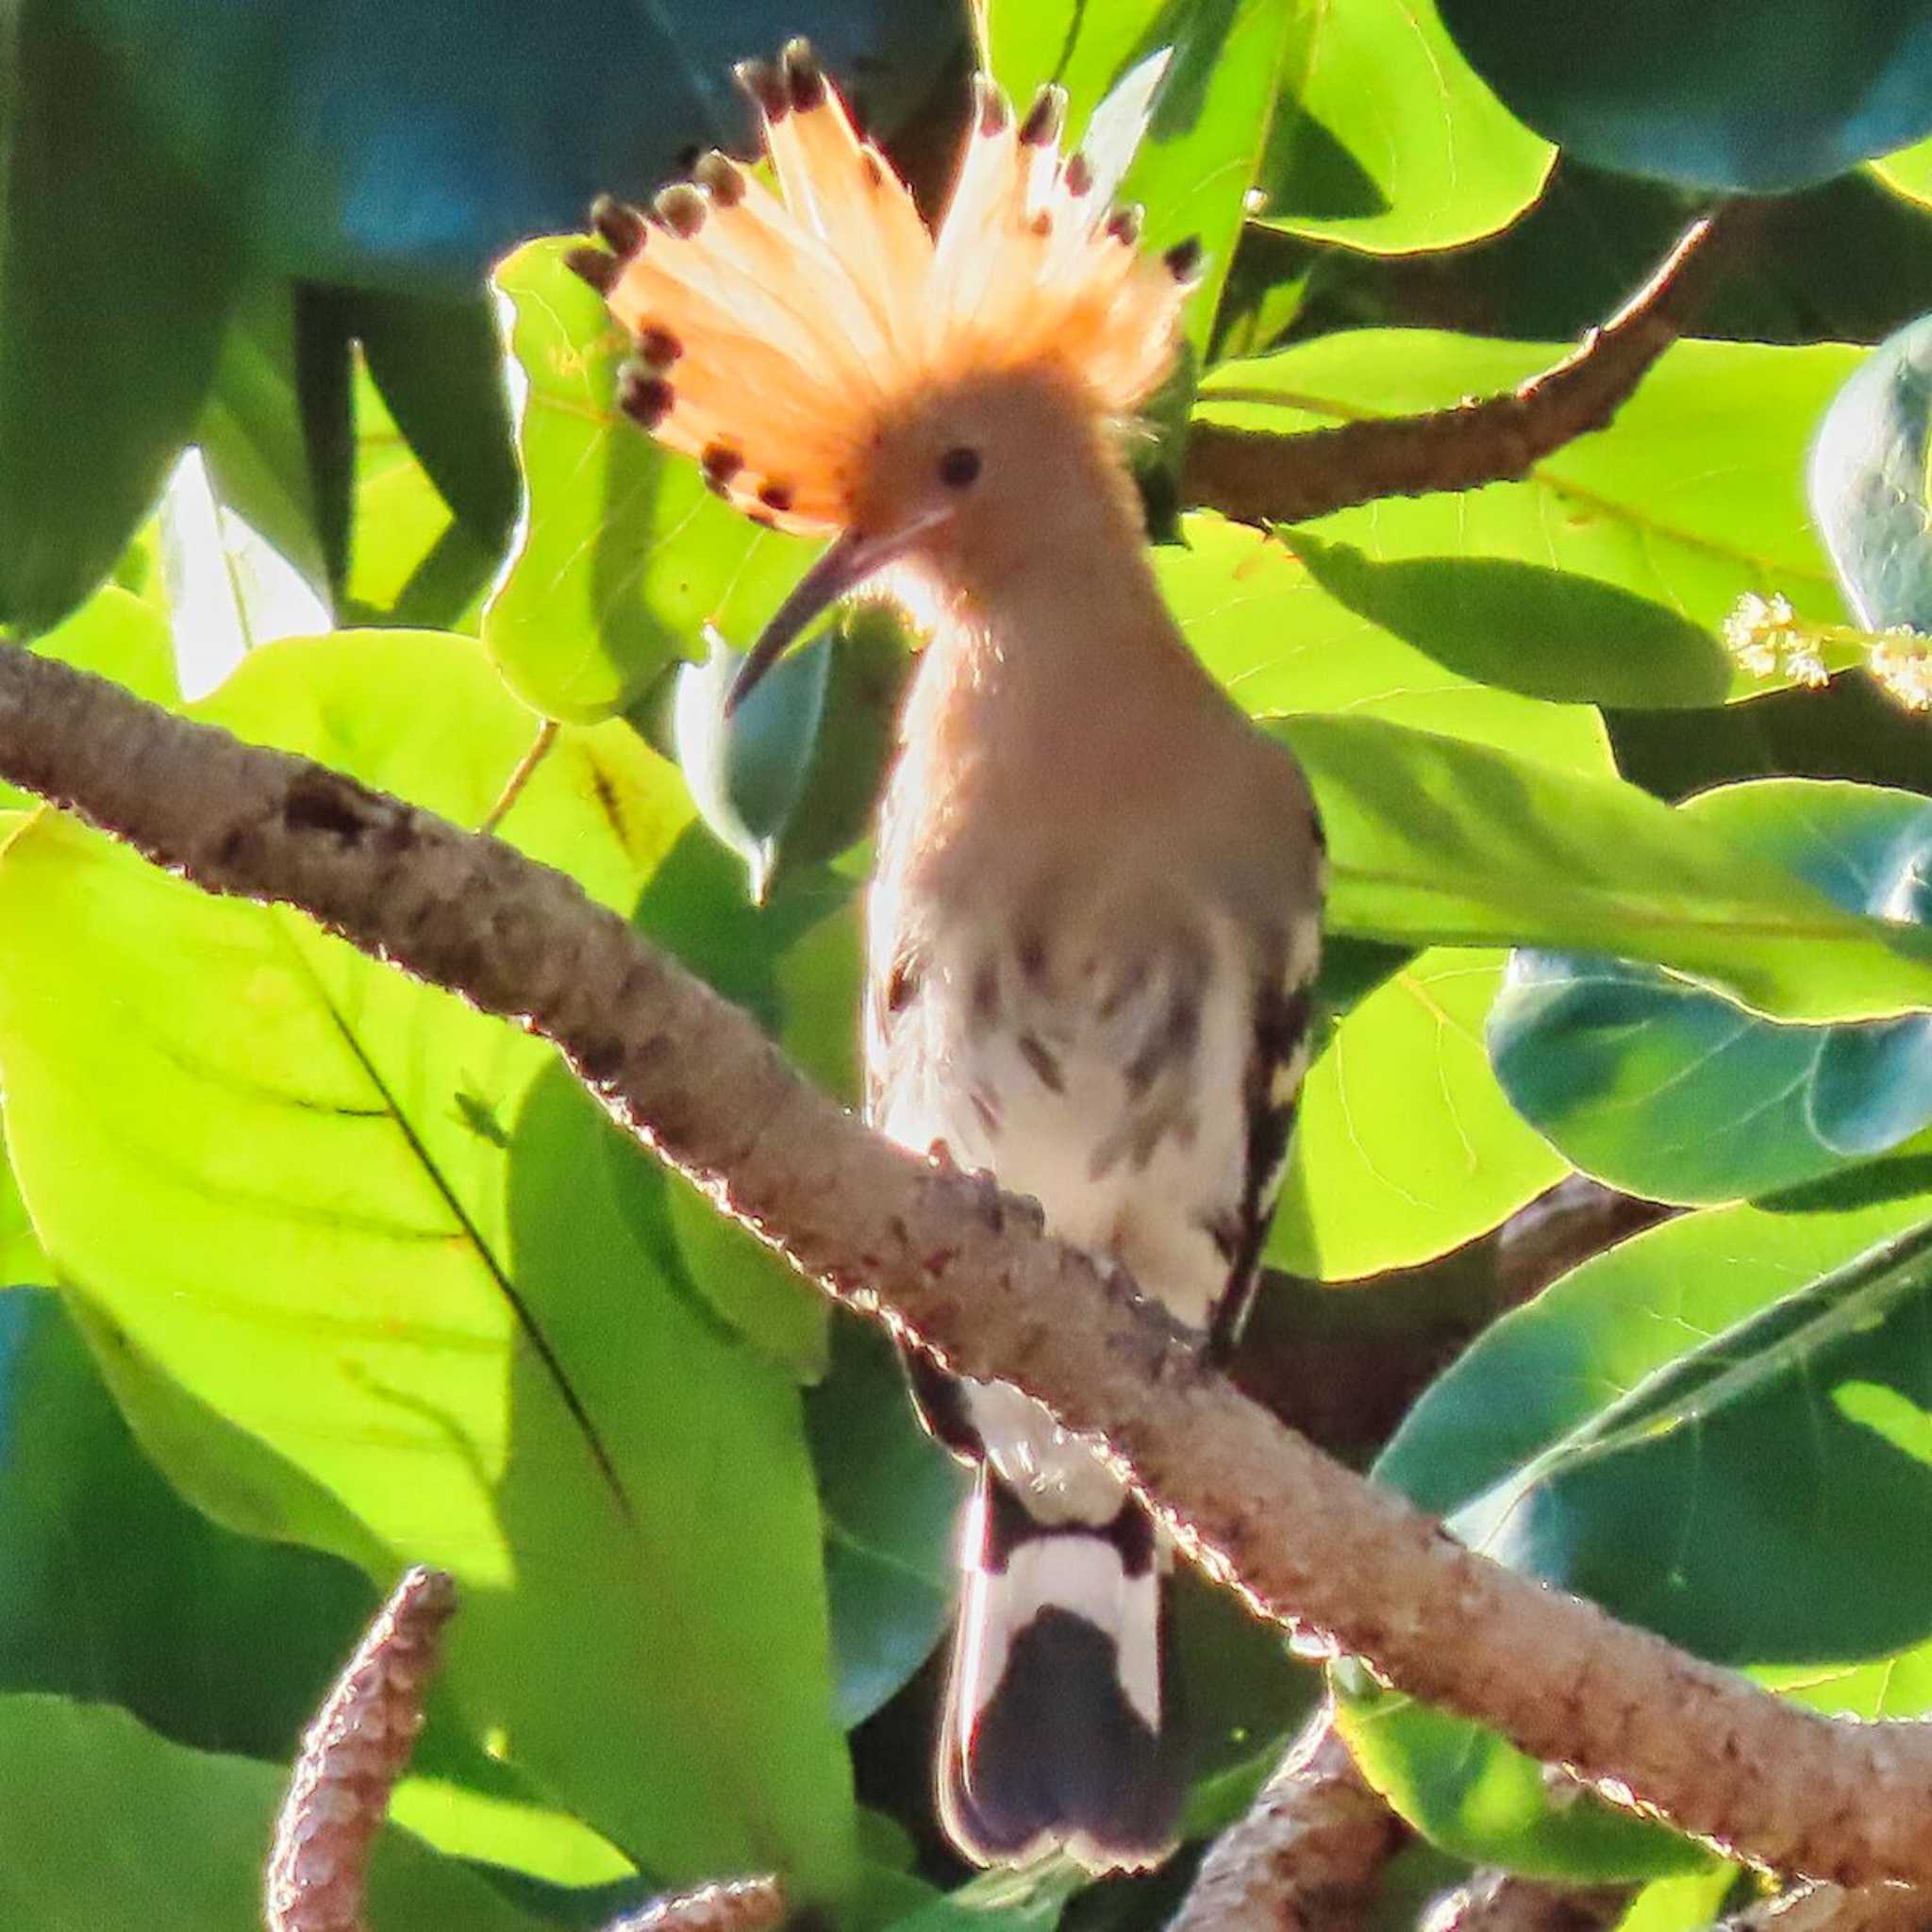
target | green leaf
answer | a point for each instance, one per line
(1673, 1432)
(438, 366)
(1549, 634)
(512, 1833)
(1029, 1899)
(1437, 842)
(1666, 1091)
(1281, 643)
(414, 564)
(1868, 481)
(1404, 1145)
(23, 1260)
(97, 397)
(104, 1824)
(116, 1588)
(1735, 95)
(746, 769)
(1686, 1903)
(622, 557)
(890, 1499)
(1387, 141)
(1212, 116)
(1692, 499)
(795, 965)
(1908, 171)
(255, 439)
(382, 1238)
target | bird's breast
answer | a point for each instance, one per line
(1095, 1062)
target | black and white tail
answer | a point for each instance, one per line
(1060, 1716)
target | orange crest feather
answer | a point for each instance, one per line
(775, 331)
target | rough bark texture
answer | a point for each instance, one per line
(1501, 1902)
(967, 1272)
(351, 1757)
(1307, 1857)
(1830, 1908)
(742, 1905)
(1257, 477)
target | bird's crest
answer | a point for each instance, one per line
(775, 331)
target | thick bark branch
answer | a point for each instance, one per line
(1307, 1857)
(1829, 1909)
(1257, 477)
(966, 1271)
(1501, 1902)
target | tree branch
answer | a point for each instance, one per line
(966, 1272)
(1502, 1902)
(351, 1757)
(741, 1904)
(1258, 477)
(1829, 1909)
(1307, 1857)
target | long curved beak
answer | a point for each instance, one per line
(842, 566)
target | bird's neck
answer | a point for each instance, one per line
(1055, 691)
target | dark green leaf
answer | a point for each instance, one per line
(115, 1589)
(891, 1497)
(1670, 1430)
(1750, 95)
(405, 144)
(255, 438)
(116, 273)
(1664, 1091)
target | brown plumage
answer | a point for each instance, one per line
(1094, 921)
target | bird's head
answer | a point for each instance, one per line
(836, 367)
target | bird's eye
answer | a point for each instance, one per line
(958, 467)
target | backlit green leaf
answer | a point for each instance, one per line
(1693, 498)
(622, 557)
(369, 1281)
(1434, 842)
(1387, 141)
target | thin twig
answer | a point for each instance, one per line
(1256, 476)
(961, 1270)
(351, 1757)
(521, 774)
(1307, 1857)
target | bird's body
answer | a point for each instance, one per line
(1081, 983)
(1092, 928)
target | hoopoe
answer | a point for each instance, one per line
(1093, 927)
